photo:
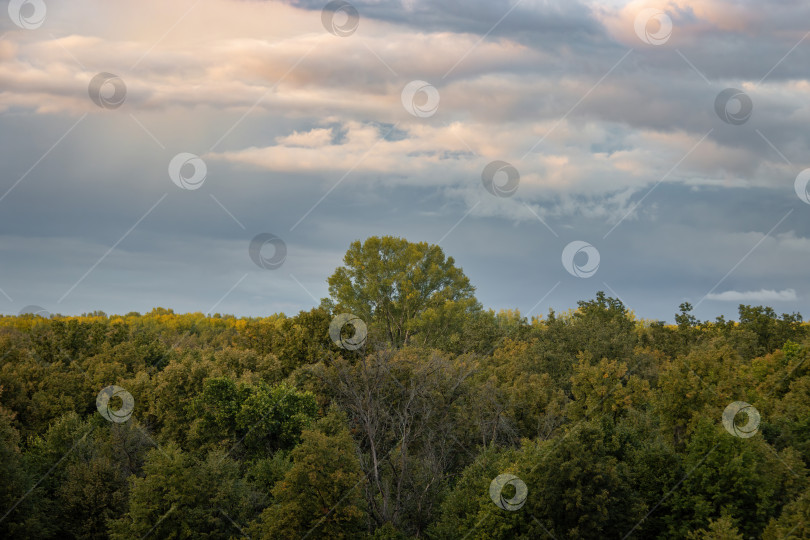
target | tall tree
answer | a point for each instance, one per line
(400, 285)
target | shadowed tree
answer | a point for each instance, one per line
(13, 485)
(320, 496)
(181, 497)
(793, 523)
(406, 407)
(771, 331)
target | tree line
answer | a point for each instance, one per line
(401, 408)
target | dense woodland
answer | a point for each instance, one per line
(270, 428)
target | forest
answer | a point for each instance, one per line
(401, 408)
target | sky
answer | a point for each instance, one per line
(219, 156)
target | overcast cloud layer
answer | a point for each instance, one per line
(609, 119)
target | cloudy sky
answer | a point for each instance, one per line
(553, 148)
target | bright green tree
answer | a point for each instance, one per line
(259, 418)
(404, 287)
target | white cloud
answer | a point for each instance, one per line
(762, 295)
(308, 139)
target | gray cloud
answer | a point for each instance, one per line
(291, 122)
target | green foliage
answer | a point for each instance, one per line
(722, 528)
(727, 476)
(770, 330)
(258, 418)
(794, 521)
(182, 497)
(606, 388)
(409, 289)
(587, 484)
(263, 426)
(14, 482)
(320, 495)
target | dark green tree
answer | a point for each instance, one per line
(321, 495)
(182, 497)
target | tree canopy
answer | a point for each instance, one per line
(404, 288)
(451, 420)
